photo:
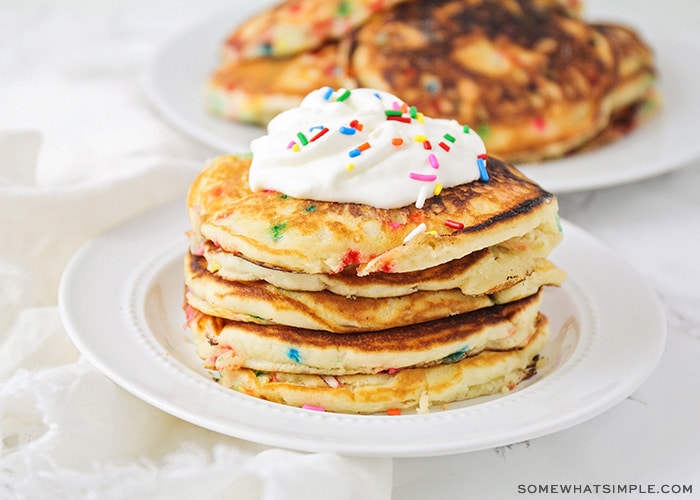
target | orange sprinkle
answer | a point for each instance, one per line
(416, 217)
(397, 141)
(364, 146)
(393, 411)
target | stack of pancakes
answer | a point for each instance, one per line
(531, 76)
(347, 308)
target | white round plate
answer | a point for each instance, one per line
(175, 82)
(121, 303)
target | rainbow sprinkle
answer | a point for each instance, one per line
(481, 163)
(293, 354)
(313, 408)
(319, 134)
(419, 229)
(433, 161)
(422, 177)
(348, 130)
(343, 96)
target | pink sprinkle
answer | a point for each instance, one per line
(314, 408)
(395, 225)
(433, 161)
(422, 177)
(396, 106)
(539, 123)
(292, 143)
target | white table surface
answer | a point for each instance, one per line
(650, 439)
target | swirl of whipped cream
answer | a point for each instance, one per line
(364, 146)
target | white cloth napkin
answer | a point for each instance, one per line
(80, 151)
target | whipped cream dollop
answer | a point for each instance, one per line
(364, 146)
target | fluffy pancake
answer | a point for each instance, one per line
(489, 372)
(294, 26)
(533, 80)
(261, 302)
(484, 271)
(255, 90)
(226, 344)
(275, 230)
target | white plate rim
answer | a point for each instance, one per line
(621, 328)
(174, 85)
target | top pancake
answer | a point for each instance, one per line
(275, 230)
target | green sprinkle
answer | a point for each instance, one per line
(450, 137)
(483, 130)
(302, 138)
(466, 129)
(344, 8)
(284, 196)
(413, 111)
(343, 96)
(393, 112)
(310, 208)
(277, 229)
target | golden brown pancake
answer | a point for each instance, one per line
(531, 76)
(226, 344)
(489, 372)
(482, 272)
(255, 90)
(295, 26)
(533, 80)
(275, 230)
(260, 302)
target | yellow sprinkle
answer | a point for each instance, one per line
(420, 138)
(213, 266)
(351, 166)
(420, 118)
(438, 189)
(296, 147)
(432, 233)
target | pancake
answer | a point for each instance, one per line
(232, 344)
(490, 372)
(260, 302)
(273, 229)
(255, 90)
(484, 271)
(533, 80)
(533, 77)
(295, 26)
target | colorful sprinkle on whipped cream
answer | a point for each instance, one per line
(364, 146)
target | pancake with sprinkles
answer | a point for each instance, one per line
(367, 258)
(533, 77)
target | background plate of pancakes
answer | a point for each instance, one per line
(175, 79)
(607, 335)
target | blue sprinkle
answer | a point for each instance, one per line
(266, 49)
(316, 127)
(456, 356)
(347, 130)
(294, 355)
(328, 94)
(353, 153)
(482, 169)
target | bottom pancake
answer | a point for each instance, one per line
(489, 372)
